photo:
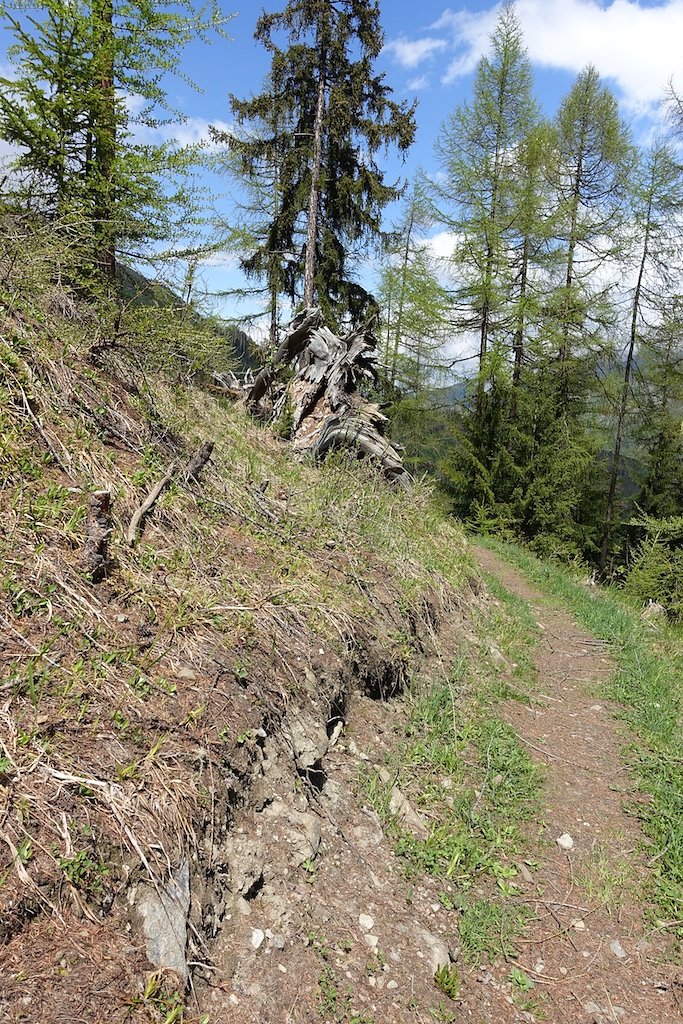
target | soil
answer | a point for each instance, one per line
(589, 948)
(587, 945)
(322, 926)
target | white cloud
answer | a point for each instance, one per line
(421, 82)
(194, 130)
(637, 47)
(442, 244)
(411, 52)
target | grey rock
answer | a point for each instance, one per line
(565, 841)
(617, 949)
(400, 806)
(435, 949)
(307, 740)
(304, 836)
(164, 913)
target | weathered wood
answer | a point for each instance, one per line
(292, 345)
(322, 398)
(193, 470)
(148, 503)
(99, 528)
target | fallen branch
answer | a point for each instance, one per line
(148, 503)
(196, 464)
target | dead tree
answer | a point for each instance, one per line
(323, 399)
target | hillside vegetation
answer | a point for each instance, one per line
(134, 708)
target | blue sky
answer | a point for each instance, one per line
(431, 51)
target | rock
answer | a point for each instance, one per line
(591, 1007)
(372, 941)
(435, 949)
(304, 836)
(336, 733)
(246, 861)
(577, 924)
(366, 922)
(525, 873)
(278, 942)
(186, 673)
(257, 938)
(164, 911)
(498, 659)
(618, 950)
(392, 984)
(565, 841)
(307, 739)
(401, 807)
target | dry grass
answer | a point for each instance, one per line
(131, 709)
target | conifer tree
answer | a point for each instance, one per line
(593, 153)
(476, 150)
(337, 114)
(656, 207)
(66, 110)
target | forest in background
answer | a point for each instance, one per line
(565, 428)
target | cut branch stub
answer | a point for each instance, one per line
(196, 464)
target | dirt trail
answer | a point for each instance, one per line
(588, 946)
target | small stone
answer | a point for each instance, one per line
(372, 941)
(186, 673)
(392, 984)
(525, 873)
(618, 950)
(282, 968)
(539, 967)
(278, 942)
(563, 971)
(592, 1008)
(122, 618)
(565, 841)
(366, 922)
(232, 998)
(257, 938)
(577, 924)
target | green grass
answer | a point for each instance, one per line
(648, 684)
(462, 767)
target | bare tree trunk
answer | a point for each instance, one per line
(621, 419)
(314, 199)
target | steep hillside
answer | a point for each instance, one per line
(144, 695)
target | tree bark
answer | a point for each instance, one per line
(99, 527)
(314, 198)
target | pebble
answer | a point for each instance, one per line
(366, 922)
(392, 984)
(618, 950)
(257, 937)
(565, 841)
(577, 924)
(372, 941)
(282, 968)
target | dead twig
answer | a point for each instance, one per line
(148, 503)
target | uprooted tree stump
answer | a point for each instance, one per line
(322, 400)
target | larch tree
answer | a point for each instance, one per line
(474, 199)
(656, 207)
(593, 154)
(66, 110)
(339, 115)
